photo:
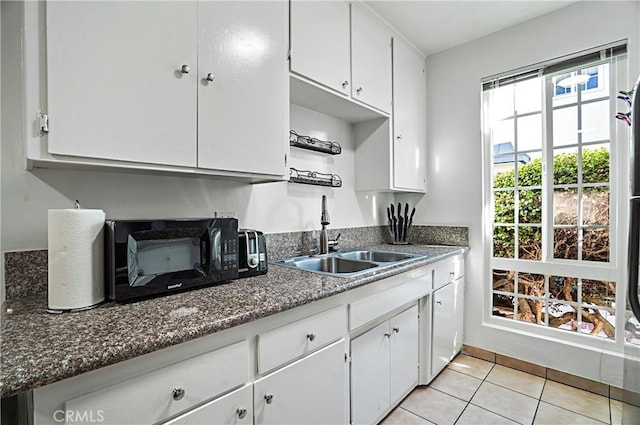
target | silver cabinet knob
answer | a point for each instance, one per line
(241, 412)
(439, 302)
(359, 90)
(177, 394)
(387, 335)
(399, 137)
(268, 398)
(185, 69)
(452, 274)
(311, 336)
(396, 330)
(210, 77)
(345, 83)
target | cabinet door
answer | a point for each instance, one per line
(409, 119)
(459, 307)
(243, 112)
(446, 332)
(320, 48)
(370, 61)
(309, 391)
(234, 408)
(115, 89)
(404, 353)
(370, 375)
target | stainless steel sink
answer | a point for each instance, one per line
(348, 263)
(331, 264)
(378, 256)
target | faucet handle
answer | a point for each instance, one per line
(333, 242)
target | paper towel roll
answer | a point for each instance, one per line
(76, 261)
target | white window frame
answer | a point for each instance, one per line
(614, 270)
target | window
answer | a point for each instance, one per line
(552, 255)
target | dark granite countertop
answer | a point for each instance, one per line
(38, 348)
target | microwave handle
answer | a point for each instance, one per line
(205, 249)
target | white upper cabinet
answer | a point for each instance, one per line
(243, 112)
(370, 61)
(409, 119)
(320, 48)
(202, 85)
(122, 80)
(340, 47)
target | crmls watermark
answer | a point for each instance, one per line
(78, 416)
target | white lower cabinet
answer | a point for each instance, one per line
(235, 408)
(447, 324)
(384, 366)
(311, 390)
(165, 392)
(289, 368)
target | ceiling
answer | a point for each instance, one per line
(433, 26)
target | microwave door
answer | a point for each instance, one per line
(158, 256)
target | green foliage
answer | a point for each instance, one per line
(595, 169)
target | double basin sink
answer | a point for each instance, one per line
(348, 263)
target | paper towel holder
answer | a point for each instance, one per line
(72, 288)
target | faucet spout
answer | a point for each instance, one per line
(324, 221)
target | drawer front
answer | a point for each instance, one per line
(447, 273)
(234, 408)
(364, 311)
(157, 395)
(295, 339)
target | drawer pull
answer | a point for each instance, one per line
(185, 69)
(311, 337)
(396, 330)
(345, 83)
(452, 274)
(242, 412)
(268, 398)
(387, 335)
(178, 394)
(439, 302)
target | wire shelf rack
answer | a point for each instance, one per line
(313, 144)
(314, 178)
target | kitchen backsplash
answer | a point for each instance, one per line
(26, 271)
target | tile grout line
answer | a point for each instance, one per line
(498, 385)
(539, 401)
(474, 393)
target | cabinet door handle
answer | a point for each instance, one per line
(396, 330)
(387, 335)
(178, 393)
(345, 83)
(210, 77)
(399, 137)
(452, 274)
(311, 336)
(359, 90)
(268, 398)
(242, 412)
(185, 69)
(439, 302)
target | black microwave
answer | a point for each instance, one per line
(146, 258)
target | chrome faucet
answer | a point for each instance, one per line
(324, 221)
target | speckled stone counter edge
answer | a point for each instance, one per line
(26, 271)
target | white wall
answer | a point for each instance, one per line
(455, 159)
(274, 207)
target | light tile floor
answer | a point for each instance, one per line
(471, 391)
